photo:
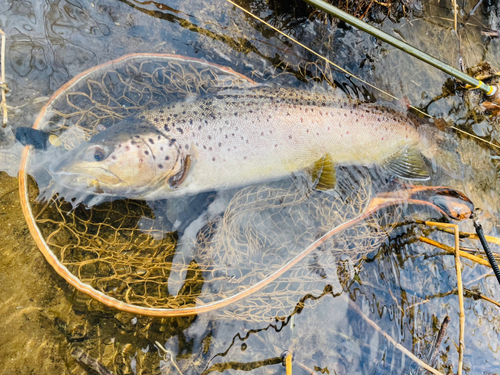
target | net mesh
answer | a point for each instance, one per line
(260, 230)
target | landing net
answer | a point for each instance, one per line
(102, 249)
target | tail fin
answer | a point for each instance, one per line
(440, 148)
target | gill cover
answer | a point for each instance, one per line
(129, 159)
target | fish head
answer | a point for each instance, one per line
(128, 159)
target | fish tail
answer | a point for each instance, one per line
(442, 150)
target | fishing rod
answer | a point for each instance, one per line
(489, 90)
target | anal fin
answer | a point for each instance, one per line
(323, 174)
(408, 164)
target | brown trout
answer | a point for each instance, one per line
(237, 138)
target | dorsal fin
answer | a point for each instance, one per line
(323, 173)
(408, 164)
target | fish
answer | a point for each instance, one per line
(242, 137)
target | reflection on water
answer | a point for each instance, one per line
(404, 286)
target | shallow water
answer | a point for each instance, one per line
(406, 287)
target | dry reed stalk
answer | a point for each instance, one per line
(482, 296)
(391, 340)
(288, 363)
(458, 266)
(451, 250)
(168, 357)
(306, 369)
(455, 13)
(474, 236)
(3, 84)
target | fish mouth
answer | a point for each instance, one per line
(87, 181)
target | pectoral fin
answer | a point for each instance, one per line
(323, 174)
(178, 178)
(408, 164)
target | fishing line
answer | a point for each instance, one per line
(347, 72)
(317, 54)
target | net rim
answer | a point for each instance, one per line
(35, 230)
(374, 206)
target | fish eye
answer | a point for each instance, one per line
(99, 154)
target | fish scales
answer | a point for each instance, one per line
(268, 135)
(239, 138)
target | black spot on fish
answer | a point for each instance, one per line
(137, 136)
(191, 122)
(127, 148)
(113, 157)
(161, 111)
(172, 141)
(176, 115)
(146, 152)
(180, 130)
(167, 157)
(210, 149)
(213, 159)
(289, 137)
(209, 137)
(220, 144)
(186, 146)
(183, 112)
(151, 141)
(167, 128)
(143, 117)
(160, 166)
(156, 119)
(159, 137)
